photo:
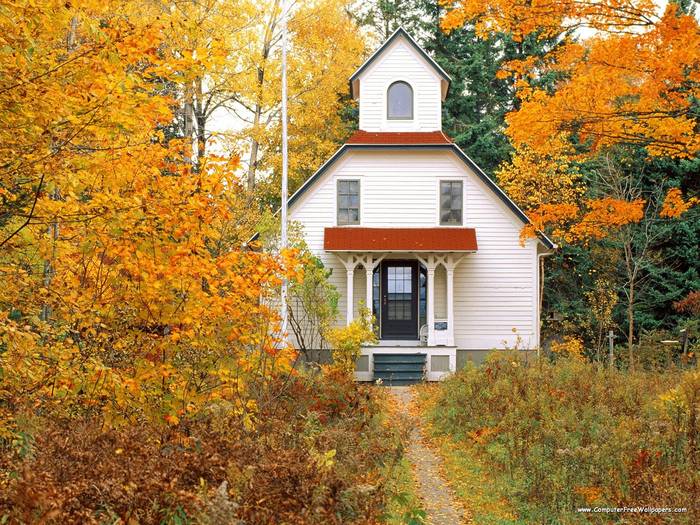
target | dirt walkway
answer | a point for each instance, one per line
(439, 502)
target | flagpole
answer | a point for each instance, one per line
(283, 209)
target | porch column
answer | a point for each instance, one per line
(350, 261)
(431, 304)
(450, 306)
(350, 293)
(370, 262)
(369, 273)
(430, 261)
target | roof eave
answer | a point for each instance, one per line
(372, 250)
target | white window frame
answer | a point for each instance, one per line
(335, 200)
(396, 124)
(464, 202)
(413, 102)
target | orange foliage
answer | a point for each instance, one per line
(634, 81)
(127, 290)
(310, 451)
(689, 304)
(547, 19)
(674, 206)
(594, 219)
(603, 215)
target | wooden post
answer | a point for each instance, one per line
(369, 273)
(431, 305)
(450, 306)
(684, 341)
(350, 294)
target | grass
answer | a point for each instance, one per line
(531, 444)
(481, 494)
(404, 506)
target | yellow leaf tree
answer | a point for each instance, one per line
(127, 293)
(632, 80)
(325, 48)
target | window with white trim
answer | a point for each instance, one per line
(399, 101)
(451, 202)
(348, 202)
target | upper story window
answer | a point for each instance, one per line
(348, 202)
(399, 101)
(451, 202)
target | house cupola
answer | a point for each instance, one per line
(400, 88)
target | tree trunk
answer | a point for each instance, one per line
(258, 107)
(630, 324)
(254, 146)
(257, 114)
(541, 301)
(200, 118)
(188, 124)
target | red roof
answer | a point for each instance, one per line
(398, 137)
(354, 239)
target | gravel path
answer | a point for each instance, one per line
(439, 502)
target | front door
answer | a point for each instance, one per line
(399, 300)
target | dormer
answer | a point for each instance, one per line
(400, 88)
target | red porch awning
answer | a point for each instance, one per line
(356, 239)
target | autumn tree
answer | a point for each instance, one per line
(626, 76)
(325, 48)
(206, 39)
(127, 293)
(633, 82)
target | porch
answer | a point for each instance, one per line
(401, 365)
(407, 277)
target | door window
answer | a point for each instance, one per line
(400, 293)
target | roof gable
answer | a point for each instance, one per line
(400, 33)
(498, 192)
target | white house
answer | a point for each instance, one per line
(410, 225)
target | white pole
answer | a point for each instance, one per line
(283, 214)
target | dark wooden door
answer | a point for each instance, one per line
(399, 300)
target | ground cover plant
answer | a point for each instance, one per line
(552, 437)
(320, 451)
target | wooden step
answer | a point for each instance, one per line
(399, 358)
(398, 367)
(399, 379)
(401, 382)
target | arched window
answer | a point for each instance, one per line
(399, 101)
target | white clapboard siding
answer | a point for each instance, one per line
(495, 288)
(400, 61)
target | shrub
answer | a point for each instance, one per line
(346, 342)
(319, 452)
(571, 434)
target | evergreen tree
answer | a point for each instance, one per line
(478, 101)
(386, 16)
